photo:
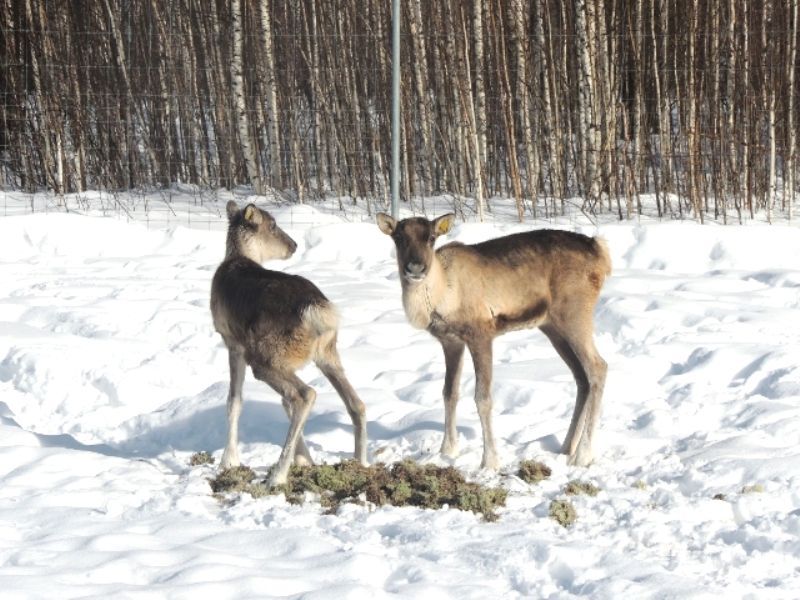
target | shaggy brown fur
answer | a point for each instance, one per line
(276, 323)
(466, 295)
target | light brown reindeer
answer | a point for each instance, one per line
(276, 323)
(470, 294)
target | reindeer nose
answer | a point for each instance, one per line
(415, 270)
(291, 246)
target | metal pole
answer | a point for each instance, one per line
(395, 107)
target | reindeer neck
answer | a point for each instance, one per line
(234, 248)
(421, 300)
(231, 251)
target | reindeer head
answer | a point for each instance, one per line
(414, 239)
(253, 233)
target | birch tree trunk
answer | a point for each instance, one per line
(793, 32)
(453, 116)
(746, 113)
(517, 16)
(716, 115)
(79, 152)
(38, 100)
(420, 86)
(239, 100)
(770, 101)
(665, 119)
(322, 141)
(692, 124)
(638, 103)
(605, 107)
(772, 185)
(478, 110)
(195, 107)
(136, 122)
(730, 89)
(468, 111)
(270, 90)
(506, 99)
(585, 34)
(162, 106)
(659, 156)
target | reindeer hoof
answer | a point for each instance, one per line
(277, 479)
(580, 459)
(229, 460)
(492, 464)
(303, 461)
(449, 449)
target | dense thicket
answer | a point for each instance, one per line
(539, 100)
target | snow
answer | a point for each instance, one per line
(111, 377)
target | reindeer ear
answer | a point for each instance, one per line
(443, 224)
(386, 223)
(231, 208)
(252, 214)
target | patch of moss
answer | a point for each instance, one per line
(756, 488)
(238, 480)
(532, 471)
(576, 488)
(201, 458)
(401, 484)
(563, 512)
(640, 485)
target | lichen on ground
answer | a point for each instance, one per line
(201, 458)
(577, 488)
(532, 471)
(563, 512)
(238, 480)
(401, 484)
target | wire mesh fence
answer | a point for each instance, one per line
(676, 109)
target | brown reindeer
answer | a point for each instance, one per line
(276, 323)
(470, 294)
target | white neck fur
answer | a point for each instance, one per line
(421, 299)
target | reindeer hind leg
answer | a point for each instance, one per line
(301, 398)
(576, 345)
(302, 456)
(330, 364)
(566, 353)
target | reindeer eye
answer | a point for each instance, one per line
(432, 239)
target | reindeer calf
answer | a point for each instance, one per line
(470, 294)
(276, 323)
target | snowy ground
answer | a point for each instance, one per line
(111, 377)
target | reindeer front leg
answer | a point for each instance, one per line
(236, 362)
(453, 359)
(481, 350)
(331, 366)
